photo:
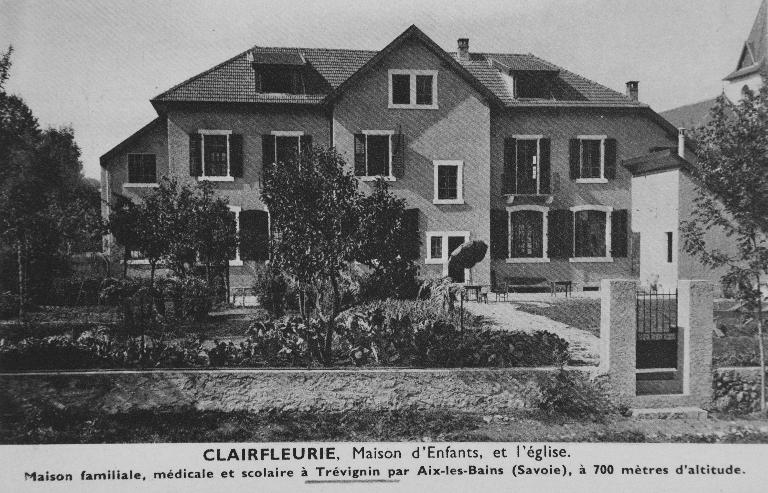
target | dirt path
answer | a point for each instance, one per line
(584, 347)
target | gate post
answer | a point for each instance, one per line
(695, 319)
(618, 334)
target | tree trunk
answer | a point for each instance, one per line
(152, 273)
(762, 349)
(227, 281)
(126, 257)
(20, 259)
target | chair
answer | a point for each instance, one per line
(502, 291)
(482, 295)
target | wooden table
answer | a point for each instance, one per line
(566, 285)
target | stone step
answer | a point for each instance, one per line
(669, 413)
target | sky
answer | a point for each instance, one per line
(95, 64)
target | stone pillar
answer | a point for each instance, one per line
(618, 334)
(695, 319)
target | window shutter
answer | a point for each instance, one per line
(412, 243)
(499, 234)
(267, 150)
(359, 155)
(306, 143)
(510, 171)
(236, 155)
(195, 154)
(560, 233)
(610, 159)
(619, 233)
(544, 167)
(398, 155)
(254, 235)
(575, 158)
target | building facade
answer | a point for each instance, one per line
(505, 148)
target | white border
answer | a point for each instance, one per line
(544, 235)
(444, 247)
(608, 212)
(390, 176)
(202, 177)
(459, 182)
(602, 139)
(413, 73)
(236, 262)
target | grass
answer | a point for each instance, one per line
(52, 425)
(582, 313)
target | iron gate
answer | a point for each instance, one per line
(656, 330)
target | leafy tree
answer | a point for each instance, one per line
(314, 209)
(732, 198)
(41, 195)
(387, 244)
(123, 224)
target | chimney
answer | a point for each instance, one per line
(632, 89)
(464, 49)
(681, 142)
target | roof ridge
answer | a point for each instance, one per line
(299, 48)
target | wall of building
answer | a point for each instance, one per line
(458, 130)
(656, 211)
(734, 88)
(690, 267)
(252, 122)
(635, 135)
(153, 140)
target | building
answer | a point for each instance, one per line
(505, 148)
(751, 65)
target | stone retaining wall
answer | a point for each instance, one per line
(476, 390)
(737, 389)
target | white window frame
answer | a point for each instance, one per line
(602, 208)
(537, 138)
(130, 184)
(388, 177)
(236, 262)
(459, 181)
(444, 247)
(413, 73)
(285, 133)
(602, 139)
(544, 234)
(202, 177)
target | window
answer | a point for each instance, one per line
(591, 233)
(440, 245)
(527, 165)
(413, 89)
(593, 159)
(215, 154)
(142, 170)
(235, 210)
(530, 86)
(373, 154)
(401, 89)
(281, 80)
(527, 234)
(282, 146)
(669, 247)
(448, 182)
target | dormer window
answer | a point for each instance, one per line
(531, 86)
(279, 72)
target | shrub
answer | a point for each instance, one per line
(271, 286)
(74, 291)
(735, 351)
(575, 396)
(9, 305)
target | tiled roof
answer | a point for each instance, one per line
(233, 80)
(691, 115)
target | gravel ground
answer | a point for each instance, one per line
(584, 346)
